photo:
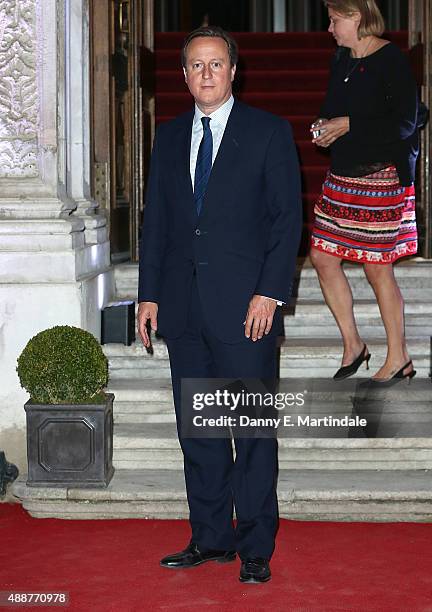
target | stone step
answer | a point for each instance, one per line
(126, 368)
(161, 412)
(165, 460)
(144, 412)
(361, 291)
(152, 395)
(322, 329)
(351, 495)
(373, 328)
(141, 391)
(415, 267)
(313, 318)
(414, 278)
(156, 446)
(322, 357)
(363, 308)
(158, 391)
(289, 369)
(317, 395)
(299, 356)
(145, 397)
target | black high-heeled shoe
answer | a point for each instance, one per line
(352, 368)
(398, 376)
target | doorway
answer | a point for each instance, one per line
(122, 88)
(122, 115)
(260, 15)
(186, 15)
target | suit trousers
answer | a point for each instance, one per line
(215, 481)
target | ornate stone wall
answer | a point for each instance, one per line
(54, 254)
(19, 103)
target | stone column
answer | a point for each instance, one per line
(54, 251)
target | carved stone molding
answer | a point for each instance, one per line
(19, 103)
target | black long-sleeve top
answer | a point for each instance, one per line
(380, 99)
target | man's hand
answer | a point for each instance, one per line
(146, 311)
(259, 318)
(331, 130)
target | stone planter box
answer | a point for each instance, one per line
(70, 445)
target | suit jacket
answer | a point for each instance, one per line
(246, 238)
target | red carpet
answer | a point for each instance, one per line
(283, 73)
(113, 566)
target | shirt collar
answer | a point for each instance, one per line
(219, 117)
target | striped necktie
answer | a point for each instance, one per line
(203, 165)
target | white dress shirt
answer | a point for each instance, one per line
(219, 120)
(218, 123)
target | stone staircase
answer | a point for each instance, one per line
(338, 476)
(312, 347)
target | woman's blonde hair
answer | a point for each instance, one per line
(371, 23)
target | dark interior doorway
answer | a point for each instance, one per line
(186, 15)
(259, 15)
(233, 16)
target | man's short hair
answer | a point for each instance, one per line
(212, 32)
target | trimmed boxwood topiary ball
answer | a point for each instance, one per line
(63, 365)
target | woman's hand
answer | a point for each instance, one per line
(331, 130)
(318, 123)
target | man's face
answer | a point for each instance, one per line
(208, 73)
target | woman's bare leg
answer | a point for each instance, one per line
(391, 305)
(338, 296)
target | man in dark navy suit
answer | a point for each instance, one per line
(220, 237)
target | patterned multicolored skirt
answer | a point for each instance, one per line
(369, 219)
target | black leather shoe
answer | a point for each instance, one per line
(192, 556)
(255, 569)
